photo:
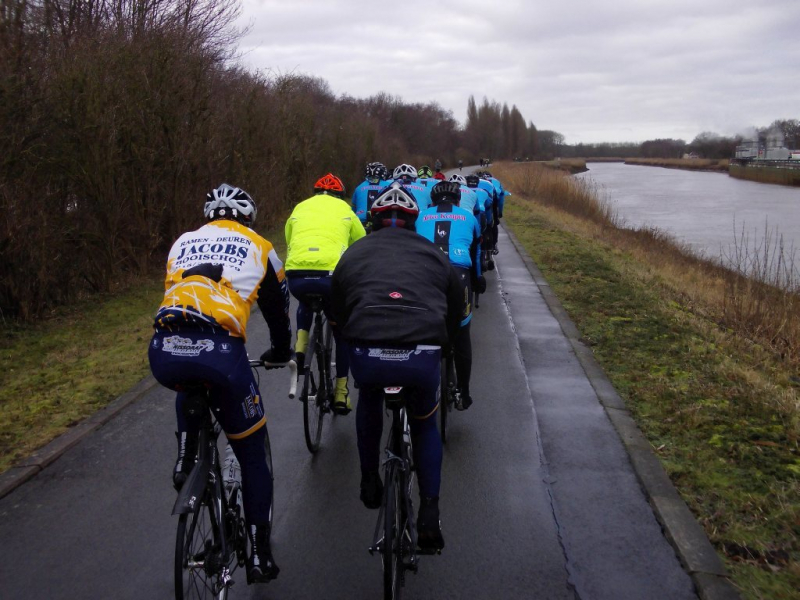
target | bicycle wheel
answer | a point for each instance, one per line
(268, 451)
(313, 391)
(393, 536)
(197, 555)
(444, 399)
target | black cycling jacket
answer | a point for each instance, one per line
(395, 288)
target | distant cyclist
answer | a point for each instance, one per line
(214, 275)
(456, 232)
(375, 176)
(399, 302)
(318, 232)
(460, 164)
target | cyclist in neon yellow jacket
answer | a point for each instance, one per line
(318, 232)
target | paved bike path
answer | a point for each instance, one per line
(539, 499)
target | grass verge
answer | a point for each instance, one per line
(719, 406)
(56, 372)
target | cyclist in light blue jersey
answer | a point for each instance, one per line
(407, 176)
(424, 174)
(484, 200)
(469, 199)
(490, 232)
(375, 176)
(497, 209)
(456, 232)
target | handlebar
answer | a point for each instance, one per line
(292, 371)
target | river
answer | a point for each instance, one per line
(707, 211)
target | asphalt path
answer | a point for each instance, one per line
(538, 498)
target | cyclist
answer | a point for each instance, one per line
(318, 231)
(214, 275)
(497, 206)
(483, 207)
(490, 233)
(457, 233)
(407, 176)
(375, 176)
(469, 199)
(460, 164)
(379, 283)
(424, 173)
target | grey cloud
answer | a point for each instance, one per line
(628, 70)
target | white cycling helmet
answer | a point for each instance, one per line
(394, 207)
(228, 202)
(458, 179)
(404, 170)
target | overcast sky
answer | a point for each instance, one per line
(621, 70)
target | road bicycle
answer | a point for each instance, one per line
(395, 537)
(449, 396)
(212, 537)
(317, 393)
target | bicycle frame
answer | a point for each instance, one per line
(398, 468)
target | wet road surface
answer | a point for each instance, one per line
(538, 496)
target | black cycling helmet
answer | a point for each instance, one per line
(446, 191)
(472, 180)
(375, 171)
(228, 202)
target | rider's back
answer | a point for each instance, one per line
(395, 287)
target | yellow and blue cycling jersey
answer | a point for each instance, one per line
(215, 274)
(318, 232)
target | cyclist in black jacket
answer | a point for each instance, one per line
(398, 301)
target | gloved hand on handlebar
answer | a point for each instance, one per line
(274, 355)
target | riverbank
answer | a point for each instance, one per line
(782, 175)
(715, 397)
(690, 164)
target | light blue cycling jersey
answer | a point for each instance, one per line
(455, 231)
(489, 188)
(484, 206)
(499, 194)
(364, 195)
(469, 200)
(419, 189)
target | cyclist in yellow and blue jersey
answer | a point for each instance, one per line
(318, 232)
(214, 275)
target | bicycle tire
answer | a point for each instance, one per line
(392, 536)
(329, 365)
(268, 453)
(444, 399)
(197, 536)
(313, 389)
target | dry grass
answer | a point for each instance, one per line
(703, 356)
(692, 164)
(756, 298)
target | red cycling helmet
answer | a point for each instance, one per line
(330, 184)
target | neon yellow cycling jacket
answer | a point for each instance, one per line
(318, 232)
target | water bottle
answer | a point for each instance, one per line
(231, 471)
